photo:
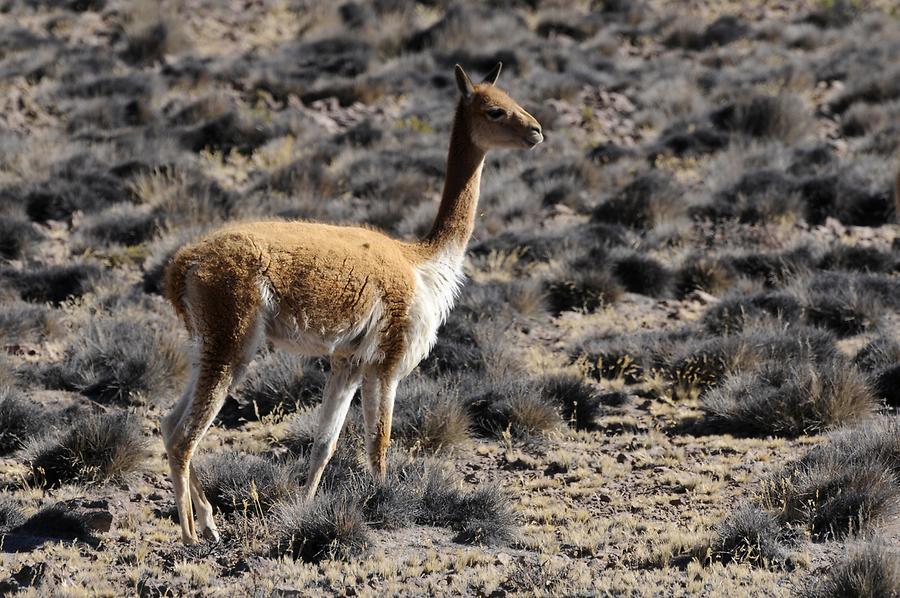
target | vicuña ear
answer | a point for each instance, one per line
(464, 83)
(493, 75)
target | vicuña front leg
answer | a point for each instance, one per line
(378, 409)
(339, 391)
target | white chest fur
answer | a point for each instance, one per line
(438, 282)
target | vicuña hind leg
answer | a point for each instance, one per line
(209, 394)
(339, 391)
(378, 409)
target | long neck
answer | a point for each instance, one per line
(456, 216)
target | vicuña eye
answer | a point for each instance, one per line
(496, 113)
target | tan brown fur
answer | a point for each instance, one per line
(369, 302)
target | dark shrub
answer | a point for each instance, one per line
(282, 382)
(643, 275)
(94, 448)
(120, 360)
(20, 420)
(225, 133)
(773, 269)
(750, 535)
(609, 153)
(733, 314)
(393, 504)
(868, 571)
(696, 365)
(759, 196)
(845, 487)
(786, 399)
(886, 385)
(16, 235)
(723, 31)
(510, 404)
(531, 246)
(20, 321)
(836, 14)
(577, 289)
(880, 353)
(430, 415)
(577, 400)
(775, 117)
(704, 274)
(123, 224)
(650, 199)
(848, 198)
(10, 513)
(482, 516)
(53, 284)
(689, 139)
(150, 43)
(858, 259)
(331, 526)
(243, 483)
(841, 305)
(73, 186)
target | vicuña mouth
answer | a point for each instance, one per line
(533, 140)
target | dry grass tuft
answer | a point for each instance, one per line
(94, 448)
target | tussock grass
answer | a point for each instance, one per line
(844, 488)
(122, 360)
(281, 383)
(52, 284)
(328, 527)
(574, 289)
(430, 415)
(865, 570)
(510, 405)
(790, 399)
(20, 420)
(482, 516)
(92, 449)
(16, 236)
(643, 275)
(650, 199)
(245, 483)
(11, 515)
(734, 314)
(577, 401)
(750, 535)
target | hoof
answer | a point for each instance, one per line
(189, 540)
(210, 534)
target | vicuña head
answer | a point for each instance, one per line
(370, 303)
(494, 119)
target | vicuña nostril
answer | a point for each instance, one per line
(536, 130)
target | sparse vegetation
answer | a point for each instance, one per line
(674, 364)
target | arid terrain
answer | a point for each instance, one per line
(674, 369)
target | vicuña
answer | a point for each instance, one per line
(371, 303)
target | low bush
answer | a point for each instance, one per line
(650, 199)
(120, 360)
(52, 284)
(790, 399)
(20, 420)
(331, 526)
(92, 449)
(245, 483)
(429, 414)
